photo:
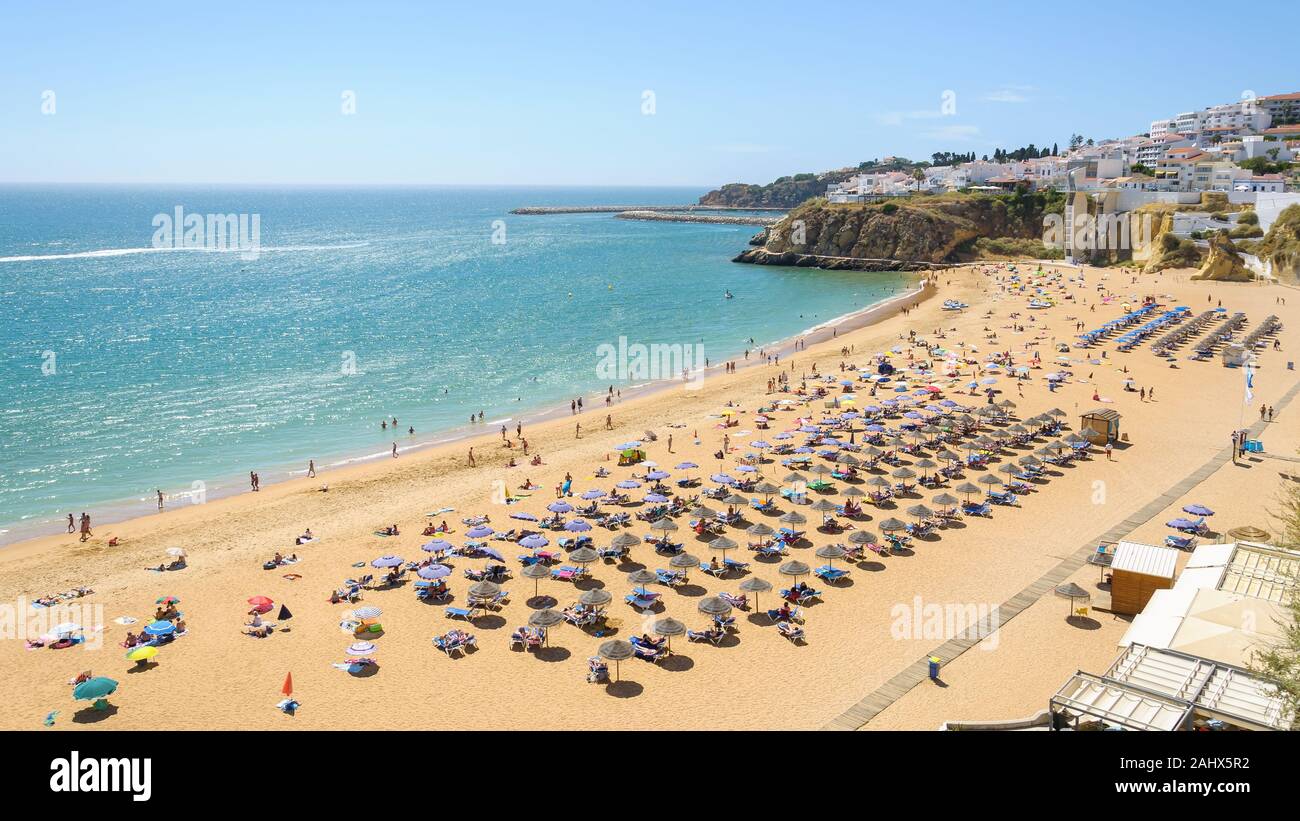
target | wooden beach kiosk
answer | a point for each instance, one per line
(1100, 426)
(1137, 572)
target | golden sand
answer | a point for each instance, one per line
(217, 677)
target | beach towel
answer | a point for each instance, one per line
(49, 718)
(293, 577)
(124, 620)
(441, 511)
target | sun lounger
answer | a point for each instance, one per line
(672, 578)
(768, 550)
(641, 602)
(977, 509)
(711, 636)
(724, 622)
(829, 574)
(793, 632)
(466, 613)
(1180, 542)
(796, 614)
(740, 602)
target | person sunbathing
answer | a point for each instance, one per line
(131, 640)
(536, 460)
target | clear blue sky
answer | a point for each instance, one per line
(543, 93)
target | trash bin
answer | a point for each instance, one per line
(934, 667)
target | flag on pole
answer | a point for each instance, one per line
(1250, 382)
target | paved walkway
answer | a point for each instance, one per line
(918, 671)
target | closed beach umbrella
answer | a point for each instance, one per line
(615, 650)
(434, 571)
(794, 569)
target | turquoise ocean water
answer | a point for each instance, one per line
(125, 368)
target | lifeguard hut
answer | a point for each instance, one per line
(1100, 426)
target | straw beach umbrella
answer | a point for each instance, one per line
(545, 620)
(794, 570)
(615, 650)
(1073, 592)
(713, 606)
(830, 553)
(536, 571)
(668, 627)
(755, 585)
(595, 597)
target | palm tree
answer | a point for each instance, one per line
(918, 175)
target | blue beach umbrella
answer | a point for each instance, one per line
(687, 466)
(1198, 510)
(388, 561)
(434, 571)
(560, 507)
(656, 475)
(534, 541)
(628, 484)
(577, 526)
(591, 495)
(437, 546)
(479, 532)
(160, 628)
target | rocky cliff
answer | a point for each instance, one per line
(1281, 245)
(786, 192)
(1224, 264)
(923, 230)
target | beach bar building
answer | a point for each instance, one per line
(1137, 572)
(1100, 426)
(1184, 661)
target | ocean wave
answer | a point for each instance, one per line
(123, 252)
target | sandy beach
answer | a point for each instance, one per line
(215, 676)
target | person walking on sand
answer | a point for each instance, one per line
(85, 526)
(72, 526)
(252, 480)
(471, 457)
(1109, 448)
(160, 499)
(577, 430)
(609, 422)
(394, 450)
(670, 450)
(311, 468)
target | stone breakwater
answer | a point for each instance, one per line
(759, 256)
(615, 209)
(659, 216)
